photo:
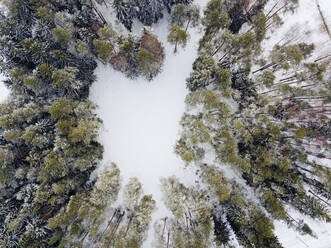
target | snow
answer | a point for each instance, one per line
(304, 25)
(141, 119)
(4, 92)
(290, 238)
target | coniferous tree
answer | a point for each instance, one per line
(177, 36)
(262, 138)
(182, 17)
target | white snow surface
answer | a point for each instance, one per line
(141, 119)
(4, 92)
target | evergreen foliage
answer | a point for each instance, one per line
(146, 11)
(191, 222)
(182, 17)
(177, 36)
(268, 138)
(263, 116)
(48, 129)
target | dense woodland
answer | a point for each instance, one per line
(261, 114)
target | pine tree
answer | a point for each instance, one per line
(182, 17)
(191, 222)
(43, 167)
(177, 36)
(215, 17)
(104, 50)
(185, 15)
(62, 36)
(170, 3)
(125, 12)
(129, 227)
(150, 11)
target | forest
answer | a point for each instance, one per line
(255, 131)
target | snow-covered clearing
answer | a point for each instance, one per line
(141, 119)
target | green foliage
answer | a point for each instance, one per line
(300, 133)
(286, 56)
(104, 50)
(62, 108)
(177, 36)
(207, 98)
(259, 135)
(201, 76)
(45, 14)
(185, 15)
(62, 36)
(267, 78)
(216, 181)
(45, 71)
(223, 77)
(132, 225)
(85, 131)
(274, 206)
(215, 18)
(178, 15)
(107, 33)
(64, 78)
(82, 47)
(259, 22)
(41, 168)
(31, 82)
(145, 62)
(191, 223)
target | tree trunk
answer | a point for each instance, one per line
(127, 229)
(109, 222)
(164, 225)
(168, 239)
(321, 58)
(188, 24)
(98, 13)
(266, 92)
(264, 67)
(186, 220)
(119, 220)
(323, 19)
(286, 79)
(287, 82)
(319, 198)
(82, 240)
(105, 3)
(218, 48)
(276, 12)
(176, 46)
(269, 12)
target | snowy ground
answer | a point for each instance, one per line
(4, 92)
(141, 121)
